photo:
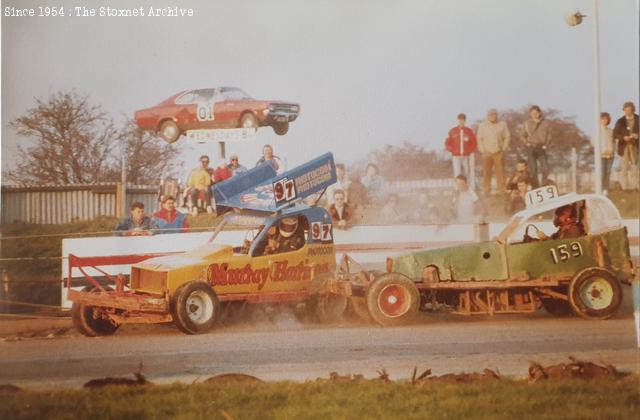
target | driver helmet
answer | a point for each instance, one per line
(565, 215)
(288, 226)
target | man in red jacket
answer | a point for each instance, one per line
(461, 142)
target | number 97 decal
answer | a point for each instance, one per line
(284, 190)
(321, 231)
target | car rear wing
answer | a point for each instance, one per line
(256, 190)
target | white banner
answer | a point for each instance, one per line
(224, 135)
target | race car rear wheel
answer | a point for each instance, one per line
(393, 299)
(281, 128)
(169, 131)
(195, 308)
(91, 320)
(248, 120)
(595, 294)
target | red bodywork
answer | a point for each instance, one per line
(214, 108)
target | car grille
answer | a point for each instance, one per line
(285, 108)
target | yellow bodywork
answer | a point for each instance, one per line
(231, 273)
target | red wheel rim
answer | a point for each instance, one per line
(394, 300)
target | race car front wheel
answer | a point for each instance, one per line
(91, 320)
(595, 294)
(393, 299)
(248, 120)
(195, 308)
(169, 131)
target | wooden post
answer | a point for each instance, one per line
(574, 170)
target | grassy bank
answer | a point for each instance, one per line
(610, 399)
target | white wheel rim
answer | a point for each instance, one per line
(169, 131)
(597, 293)
(199, 307)
(248, 123)
(394, 300)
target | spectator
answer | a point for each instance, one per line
(342, 183)
(137, 224)
(339, 210)
(374, 184)
(493, 140)
(357, 193)
(461, 142)
(466, 202)
(521, 172)
(606, 150)
(168, 219)
(199, 183)
(536, 137)
(267, 155)
(222, 172)
(390, 214)
(626, 133)
(235, 167)
(424, 212)
(516, 201)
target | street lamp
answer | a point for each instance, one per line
(575, 19)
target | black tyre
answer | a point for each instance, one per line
(169, 131)
(281, 128)
(91, 320)
(325, 307)
(557, 307)
(595, 294)
(358, 307)
(248, 120)
(393, 299)
(195, 308)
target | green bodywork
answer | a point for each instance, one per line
(495, 261)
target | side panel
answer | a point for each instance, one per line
(481, 262)
(561, 257)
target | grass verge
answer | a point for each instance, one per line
(606, 399)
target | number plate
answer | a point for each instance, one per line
(540, 195)
(284, 190)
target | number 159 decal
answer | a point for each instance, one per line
(284, 190)
(563, 252)
(321, 231)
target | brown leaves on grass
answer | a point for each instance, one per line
(576, 369)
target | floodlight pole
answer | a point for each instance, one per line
(597, 146)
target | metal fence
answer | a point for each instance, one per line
(65, 204)
(55, 204)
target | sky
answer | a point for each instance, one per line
(366, 73)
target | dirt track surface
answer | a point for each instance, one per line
(286, 349)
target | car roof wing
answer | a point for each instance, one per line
(262, 190)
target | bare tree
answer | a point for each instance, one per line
(72, 142)
(148, 157)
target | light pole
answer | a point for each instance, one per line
(574, 20)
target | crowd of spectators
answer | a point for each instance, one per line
(354, 199)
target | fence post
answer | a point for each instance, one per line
(574, 170)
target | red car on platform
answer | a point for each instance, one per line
(215, 108)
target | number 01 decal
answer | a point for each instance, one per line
(205, 112)
(321, 231)
(284, 190)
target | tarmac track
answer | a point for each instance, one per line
(287, 349)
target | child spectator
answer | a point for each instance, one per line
(342, 183)
(137, 224)
(339, 210)
(168, 219)
(466, 203)
(235, 167)
(374, 184)
(461, 143)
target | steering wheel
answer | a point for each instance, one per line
(527, 238)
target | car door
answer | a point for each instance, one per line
(185, 112)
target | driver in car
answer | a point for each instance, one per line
(566, 220)
(285, 238)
